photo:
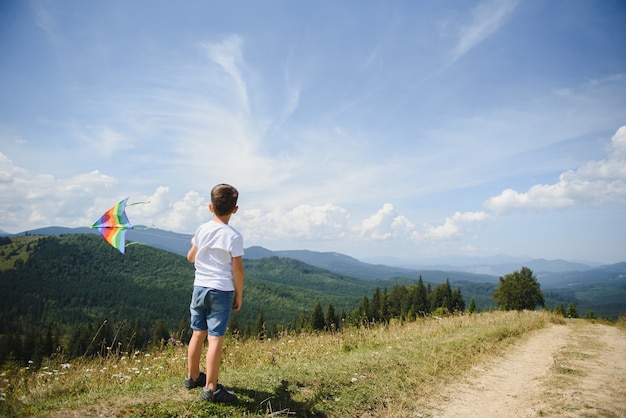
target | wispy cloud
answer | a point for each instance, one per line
(106, 140)
(45, 19)
(486, 19)
(227, 54)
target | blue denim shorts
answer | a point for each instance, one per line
(210, 310)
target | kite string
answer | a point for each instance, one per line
(141, 228)
(137, 203)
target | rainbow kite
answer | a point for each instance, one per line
(113, 225)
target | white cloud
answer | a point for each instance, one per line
(385, 224)
(324, 222)
(453, 226)
(38, 200)
(43, 200)
(330, 222)
(185, 215)
(594, 183)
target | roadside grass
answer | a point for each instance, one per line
(371, 370)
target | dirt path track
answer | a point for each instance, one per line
(572, 370)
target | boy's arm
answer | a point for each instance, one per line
(191, 255)
(238, 279)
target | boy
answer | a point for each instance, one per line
(216, 251)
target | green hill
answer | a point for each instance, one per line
(77, 279)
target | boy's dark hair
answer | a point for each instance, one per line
(224, 199)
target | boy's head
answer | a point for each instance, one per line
(224, 199)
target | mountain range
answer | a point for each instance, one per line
(551, 273)
(598, 288)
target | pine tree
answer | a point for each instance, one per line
(48, 345)
(441, 297)
(571, 310)
(373, 313)
(472, 306)
(421, 306)
(159, 333)
(317, 318)
(559, 309)
(457, 304)
(398, 301)
(303, 323)
(362, 312)
(331, 320)
(385, 308)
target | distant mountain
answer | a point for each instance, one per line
(352, 267)
(613, 273)
(612, 268)
(496, 266)
(450, 261)
(153, 237)
(332, 261)
(436, 270)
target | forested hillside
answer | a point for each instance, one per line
(76, 280)
(78, 293)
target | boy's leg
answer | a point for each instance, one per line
(194, 352)
(213, 357)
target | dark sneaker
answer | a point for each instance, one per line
(195, 383)
(220, 395)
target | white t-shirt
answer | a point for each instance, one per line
(217, 245)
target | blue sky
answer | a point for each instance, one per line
(410, 129)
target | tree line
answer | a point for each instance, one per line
(519, 290)
(401, 302)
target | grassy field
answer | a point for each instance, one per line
(369, 371)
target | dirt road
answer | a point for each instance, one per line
(572, 370)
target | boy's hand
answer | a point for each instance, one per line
(237, 303)
(238, 282)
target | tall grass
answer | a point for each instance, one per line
(372, 370)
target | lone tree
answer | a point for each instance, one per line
(518, 290)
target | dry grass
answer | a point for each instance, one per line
(368, 371)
